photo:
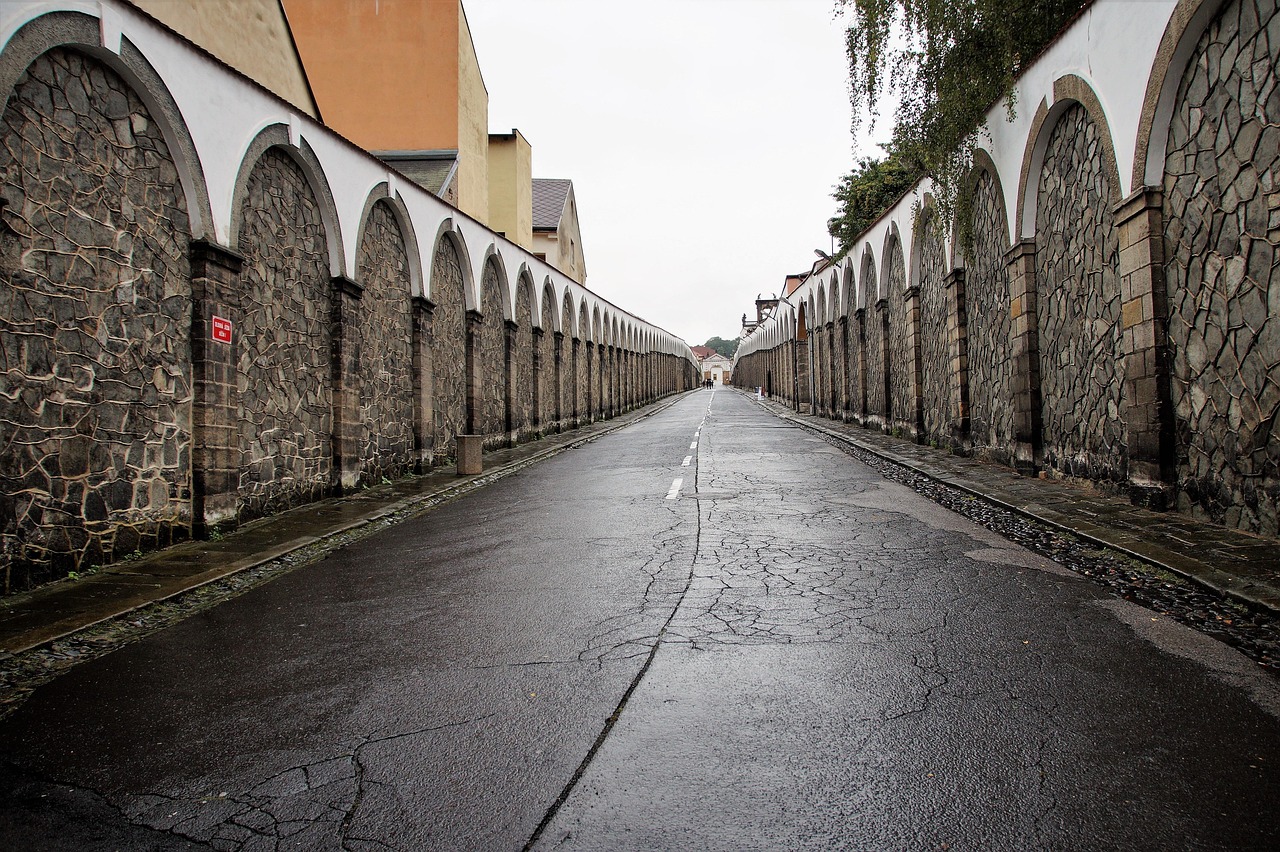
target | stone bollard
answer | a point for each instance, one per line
(469, 449)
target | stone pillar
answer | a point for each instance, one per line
(215, 408)
(913, 417)
(509, 342)
(1144, 319)
(470, 455)
(1027, 434)
(474, 390)
(958, 350)
(423, 377)
(558, 354)
(344, 338)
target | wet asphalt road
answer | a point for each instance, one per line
(788, 652)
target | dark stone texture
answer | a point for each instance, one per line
(938, 388)
(875, 347)
(570, 403)
(492, 361)
(990, 353)
(586, 400)
(94, 324)
(1078, 306)
(448, 347)
(522, 377)
(385, 383)
(548, 381)
(1221, 230)
(283, 374)
(901, 357)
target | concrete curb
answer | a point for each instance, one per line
(1217, 581)
(414, 506)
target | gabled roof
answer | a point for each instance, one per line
(549, 196)
(701, 352)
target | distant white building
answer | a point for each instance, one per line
(715, 366)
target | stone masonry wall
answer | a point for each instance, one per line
(584, 381)
(1222, 239)
(936, 386)
(95, 312)
(990, 355)
(818, 361)
(386, 383)
(568, 379)
(854, 376)
(448, 348)
(285, 387)
(522, 362)
(901, 357)
(875, 350)
(159, 377)
(492, 417)
(1167, 394)
(1078, 305)
(547, 363)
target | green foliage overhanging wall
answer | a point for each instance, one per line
(948, 62)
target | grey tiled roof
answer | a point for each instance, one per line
(549, 195)
(430, 170)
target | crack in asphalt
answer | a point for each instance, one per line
(655, 643)
(230, 822)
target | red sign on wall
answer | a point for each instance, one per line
(222, 329)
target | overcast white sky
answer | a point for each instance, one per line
(702, 137)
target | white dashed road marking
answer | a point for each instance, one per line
(675, 489)
(686, 461)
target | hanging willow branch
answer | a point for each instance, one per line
(948, 62)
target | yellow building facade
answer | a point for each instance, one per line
(252, 36)
(511, 187)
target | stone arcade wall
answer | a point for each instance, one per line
(935, 362)
(386, 351)
(547, 374)
(283, 378)
(448, 350)
(96, 382)
(876, 354)
(990, 360)
(213, 308)
(1078, 305)
(492, 409)
(902, 361)
(521, 371)
(1222, 238)
(1118, 320)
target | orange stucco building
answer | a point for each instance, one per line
(400, 78)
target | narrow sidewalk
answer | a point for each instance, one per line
(1232, 563)
(58, 609)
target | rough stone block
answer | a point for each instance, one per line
(469, 454)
